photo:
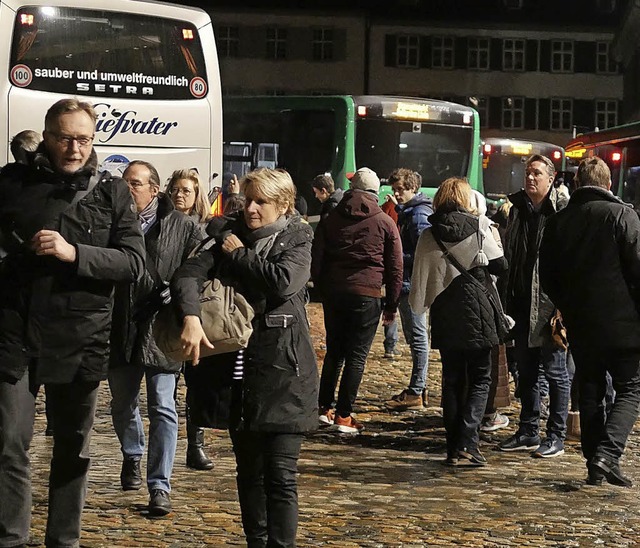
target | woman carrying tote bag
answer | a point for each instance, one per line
(266, 252)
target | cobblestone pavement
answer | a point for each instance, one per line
(384, 488)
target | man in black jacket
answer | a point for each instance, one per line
(170, 236)
(70, 234)
(325, 192)
(532, 310)
(590, 267)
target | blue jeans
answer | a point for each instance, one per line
(351, 322)
(414, 327)
(72, 406)
(124, 382)
(267, 466)
(554, 364)
(390, 336)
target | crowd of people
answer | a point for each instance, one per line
(88, 259)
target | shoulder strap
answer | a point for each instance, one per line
(447, 255)
(104, 176)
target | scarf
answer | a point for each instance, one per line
(148, 215)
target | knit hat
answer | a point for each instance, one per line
(365, 179)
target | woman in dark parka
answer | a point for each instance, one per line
(266, 250)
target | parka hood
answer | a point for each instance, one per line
(358, 204)
(453, 226)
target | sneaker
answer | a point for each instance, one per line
(348, 425)
(550, 447)
(473, 455)
(392, 354)
(159, 502)
(519, 442)
(404, 401)
(326, 416)
(493, 422)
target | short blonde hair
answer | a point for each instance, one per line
(201, 206)
(272, 185)
(452, 194)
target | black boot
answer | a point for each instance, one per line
(130, 475)
(196, 457)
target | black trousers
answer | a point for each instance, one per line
(351, 322)
(466, 378)
(267, 466)
(605, 434)
(72, 406)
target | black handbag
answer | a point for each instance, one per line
(504, 322)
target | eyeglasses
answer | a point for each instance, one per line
(68, 140)
(136, 184)
(183, 191)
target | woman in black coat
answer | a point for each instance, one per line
(266, 251)
(463, 323)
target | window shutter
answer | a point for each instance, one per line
(545, 56)
(425, 52)
(495, 62)
(531, 61)
(584, 57)
(530, 121)
(544, 114)
(390, 44)
(495, 112)
(460, 53)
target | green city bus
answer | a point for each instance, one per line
(309, 135)
(504, 161)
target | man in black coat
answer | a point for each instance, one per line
(590, 267)
(532, 310)
(69, 234)
(170, 236)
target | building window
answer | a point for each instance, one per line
(478, 54)
(408, 51)
(228, 40)
(323, 44)
(604, 64)
(481, 104)
(606, 113)
(561, 56)
(561, 114)
(276, 43)
(512, 112)
(442, 52)
(513, 54)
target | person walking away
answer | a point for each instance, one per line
(326, 193)
(532, 310)
(70, 234)
(590, 267)
(169, 237)
(356, 250)
(185, 190)
(463, 322)
(390, 342)
(414, 209)
(272, 403)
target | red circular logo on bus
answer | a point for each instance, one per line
(198, 87)
(21, 76)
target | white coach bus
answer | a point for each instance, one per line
(149, 68)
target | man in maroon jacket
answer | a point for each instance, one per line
(356, 250)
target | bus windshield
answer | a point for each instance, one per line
(435, 151)
(105, 53)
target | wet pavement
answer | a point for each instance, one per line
(384, 488)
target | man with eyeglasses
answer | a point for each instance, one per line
(170, 236)
(69, 235)
(532, 310)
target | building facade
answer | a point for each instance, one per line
(528, 74)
